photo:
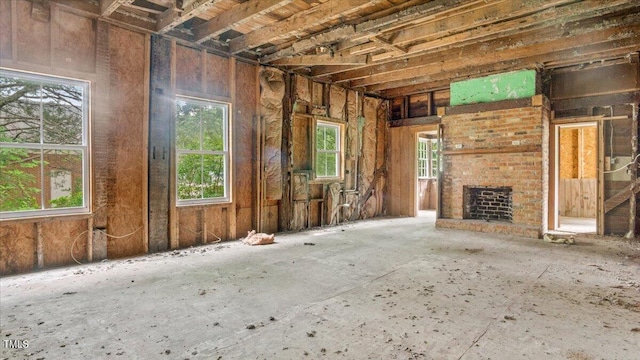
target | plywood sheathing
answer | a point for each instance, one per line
(272, 92)
(127, 139)
(17, 248)
(63, 238)
(189, 69)
(244, 120)
(333, 203)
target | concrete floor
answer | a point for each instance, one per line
(379, 289)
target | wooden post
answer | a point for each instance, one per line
(601, 166)
(160, 119)
(634, 171)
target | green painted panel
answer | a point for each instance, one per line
(511, 85)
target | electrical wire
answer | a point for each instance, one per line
(624, 167)
(73, 245)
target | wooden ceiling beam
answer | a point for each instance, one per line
(173, 16)
(326, 59)
(498, 49)
(495, 53)
(362, 33)
(547, 17)
(302, 46)
(582, 52)
(235, 16)
(296, 24)
(485, 14)
(107, 7)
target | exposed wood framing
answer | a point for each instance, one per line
(235, 16)
(424, 120)
(325, 59)
(493, 106)
(297, 23)
(107, 7)
(173, 16)
(633, 169)
(622, 196)
(496, 150)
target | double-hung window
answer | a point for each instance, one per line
(328, 157)
(44, 150)
(427, 158)
(202, 151)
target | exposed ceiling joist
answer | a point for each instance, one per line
(109, 6)
(360, 33)
(326, 59)
(235, 16)
(296, 24)
(173, 16)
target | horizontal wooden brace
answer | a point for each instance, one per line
(498, 150)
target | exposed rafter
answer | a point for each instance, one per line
(109, 6)
(236, 16)
(173, 16)
(296, 24)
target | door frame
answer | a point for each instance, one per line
(554, 217)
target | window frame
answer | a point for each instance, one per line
(340, 126)
(430, 152)
(225, 152)
(84, 148)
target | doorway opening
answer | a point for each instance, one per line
(577, 178)
(427, 174)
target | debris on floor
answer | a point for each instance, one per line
(254, 238)
(558, 239)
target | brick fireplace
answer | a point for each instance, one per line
(488, 203)
(495, 167)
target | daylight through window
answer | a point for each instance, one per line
(43, 145)
(328, 158)
(202, 151)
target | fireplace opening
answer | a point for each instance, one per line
(488, 203)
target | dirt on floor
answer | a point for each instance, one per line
(395, 288)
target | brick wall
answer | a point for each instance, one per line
(482, 161)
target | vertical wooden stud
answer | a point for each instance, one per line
(173, 210)
(90, 239)
(232, 146)
(634, 171)
(601, 166)
(145, 144)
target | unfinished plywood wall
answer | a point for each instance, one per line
(69, 45)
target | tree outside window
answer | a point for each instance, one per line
(43, 134)
(202, 151)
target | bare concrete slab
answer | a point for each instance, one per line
(379, 289)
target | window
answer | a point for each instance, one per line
(44, 159)
(328, 160)
(202, 151)
(427, 158)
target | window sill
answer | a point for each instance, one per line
(45, 218)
